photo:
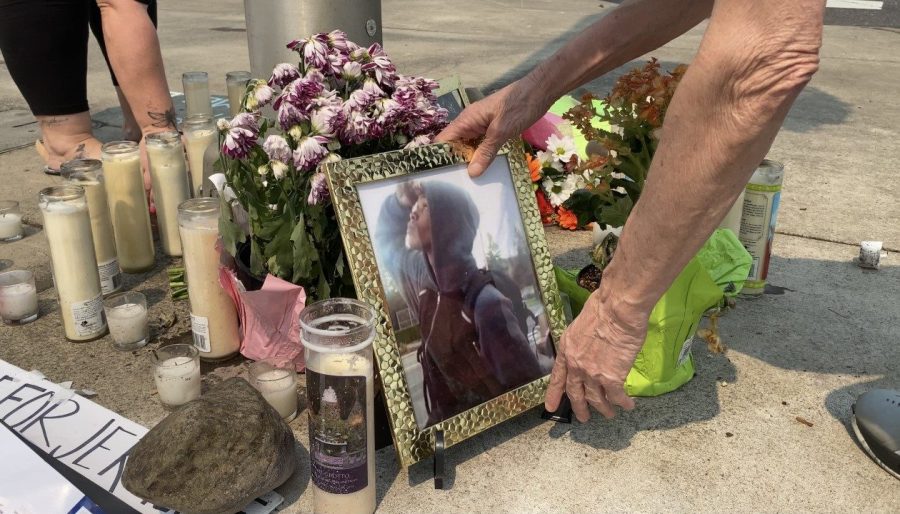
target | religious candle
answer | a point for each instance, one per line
(176, 373)
(337, 335)
(214, 321)
(168, 172)
(88, 173)
(18, 297)
(196, 93)
(201, 141)
(126, 315)
(128, 209)
(68, 228)
(236, 82)
(10, 221)
(276, 381)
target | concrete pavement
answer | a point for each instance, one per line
(805, 353)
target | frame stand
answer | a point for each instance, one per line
(439, 459)
(563, 414)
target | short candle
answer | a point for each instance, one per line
(279, 388)
(10, 226)
(128, 324)
(177, 380)
(18, 297)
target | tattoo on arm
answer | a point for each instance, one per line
(79, 152)
(163, 119)
(56, 120)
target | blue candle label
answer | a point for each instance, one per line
(337, 432)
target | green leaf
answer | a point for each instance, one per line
(257, 261)
(617, 213)
(231, 232)
(585, 204)
(304, 254)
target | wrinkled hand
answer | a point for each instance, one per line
(498, 117)
(595, 355)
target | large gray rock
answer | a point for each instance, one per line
(214, 455)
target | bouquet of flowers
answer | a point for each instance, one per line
(339, 101)
(555, 173)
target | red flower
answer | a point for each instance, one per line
(544, 206)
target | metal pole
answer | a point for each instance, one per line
(271, 24)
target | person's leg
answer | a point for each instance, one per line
(44, 44)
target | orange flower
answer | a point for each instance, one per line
(567, 219)
(534, 166)
(544, 206)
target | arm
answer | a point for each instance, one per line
(503, 345)
(631, 30)
(754, 60)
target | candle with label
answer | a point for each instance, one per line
(128, 209)
(126, 315)
(196, 93)
(236, 82)
(213, 317)
(201, 141)
(18, 297)
(168, 171)
(337, 335)
(276, 381)
(68, 228)
(10, 221)
(88, 173)
(176, 373)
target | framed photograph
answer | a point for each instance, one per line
(452, 96)
(460, 273)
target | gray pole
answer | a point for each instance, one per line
(271, 24)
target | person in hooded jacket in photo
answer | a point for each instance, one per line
(473, 343)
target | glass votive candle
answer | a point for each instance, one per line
(196, 93)
(18, 297)
(10, 221)
(126, 317)
(236, 82)
(177, 374)
(276, 381)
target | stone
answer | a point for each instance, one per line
(213, 455)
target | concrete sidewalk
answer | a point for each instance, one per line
(729, 440)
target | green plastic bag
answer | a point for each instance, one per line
(665, 362)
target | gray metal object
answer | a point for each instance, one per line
(876, 422)
(271, 24)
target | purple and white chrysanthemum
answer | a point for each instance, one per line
(326, 121)
(290, 115)
(299, 93)
(336, 62)
(283, 74)
(371, 86)
(310, 151)
(318, 190)
(352, 70)
(277, 148)
(247, 120)
(260, 95)
(387, 113)
(238, 142)
(380, 66)
(406, 96)
(358, 100)
(313, 50)
(358, 128)
(337, 39)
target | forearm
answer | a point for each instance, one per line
(754, 60)
(629, 31)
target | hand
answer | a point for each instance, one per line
(595, 355)
(499, 117)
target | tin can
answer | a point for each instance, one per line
(762, 198)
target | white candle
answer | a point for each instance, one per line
(127, 202)
(279, 388)
(10, 226)
(18, 302)
(200, 140)
(177, 380)
(128, 324)
(168, 172)
(196, 93)
(236, 82)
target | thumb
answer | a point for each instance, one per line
(485, 153)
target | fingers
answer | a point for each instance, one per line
(468, 125)
(575, 391)
(557, 386)
(617, 396)
(597, 398)
(486, 152)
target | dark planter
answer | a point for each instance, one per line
(251, 281)
(589, 277)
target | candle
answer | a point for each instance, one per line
(177, 374)
(126, 315)
(88, 173)
(337, 335)
(18, 297)
(277, 383)
(236, 82)
(213, 316)
(201, 141)
(196, 93)
(168, 171)
(128, 208)
(10, 221)
(68, 228)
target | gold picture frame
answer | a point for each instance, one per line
(345, 177)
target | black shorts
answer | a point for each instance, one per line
(44, 44)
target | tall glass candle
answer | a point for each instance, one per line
(337, 335)
(214, 319)
(276, 381)
(176, 372)
(10, 221)
(196, 93)
(202, 142)
(168, 172)
(236, 82)
(128, 208)
(88, 173)
(18, 297)
(68, 228)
